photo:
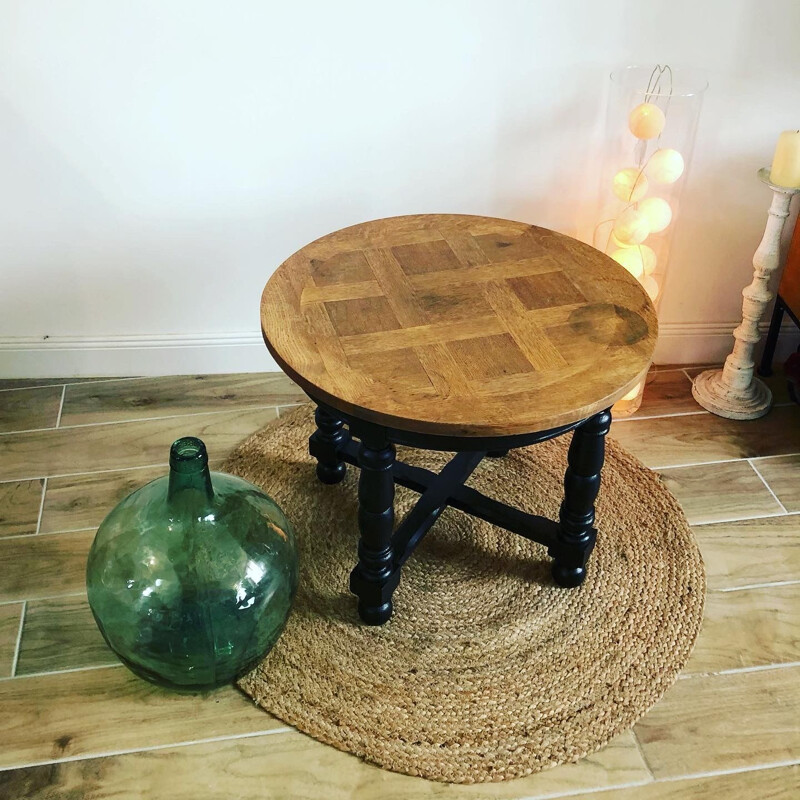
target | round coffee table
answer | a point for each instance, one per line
(457, 333)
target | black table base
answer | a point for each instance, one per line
(382, 551)
(781, 307)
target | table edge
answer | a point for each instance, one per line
(451, 428)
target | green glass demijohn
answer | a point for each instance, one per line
(191, 578)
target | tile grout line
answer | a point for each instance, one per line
(165, 464)
(696, 463)
(148, 749)
(39, 534)
(217, 461)
(114, 664)
(599, 791)
(81, 382)
(596, 790)
(268, 374)
(778, 514)
(41, 510)
(651, 417)
(83, 474)
(742, 670)
(288, 406)
(777, 455)
(767, 585)
(46, 597)
(61, 405)
(212, 462)
(734, 771)
(723, 461)
(76, 383)
(769, 488)
(715, 461)
(15, 660)
(641, 753)
(684, 367)
(241, 409)
(70, 670)
(661, 416)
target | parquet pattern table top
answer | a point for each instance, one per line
(458, 325)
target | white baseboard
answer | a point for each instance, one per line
(192, 354)
(111, 356)
(710, 342)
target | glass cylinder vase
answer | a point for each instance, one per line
(651, 124)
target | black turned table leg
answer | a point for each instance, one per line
(375, 577)
(576, 535)
(325, 445)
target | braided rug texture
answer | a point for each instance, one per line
(487, 671)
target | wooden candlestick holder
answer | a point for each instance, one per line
(734, 391)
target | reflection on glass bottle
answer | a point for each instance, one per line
(191, 578)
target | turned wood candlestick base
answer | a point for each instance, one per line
(734, 391)
(715, 394)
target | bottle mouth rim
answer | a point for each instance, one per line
(188, 454)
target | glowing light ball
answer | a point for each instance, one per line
(633, 392)
(630, 184)
(640, 260)
(665, 166)
(646, 121)
(627, 258)
(648, 258)
(657, 212)
(631, 227)
(650, 286)
(617, 243)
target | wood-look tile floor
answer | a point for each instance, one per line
(74, 723)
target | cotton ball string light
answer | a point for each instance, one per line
(630, 184)
(617, 243)
(646, 121)
(633, 392)
(657, 212)
(627, 257)
(665, 166)
(639, 261)
(631, 227)
(648, 257)
(650, 286)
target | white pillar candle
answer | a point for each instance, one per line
(786, 163)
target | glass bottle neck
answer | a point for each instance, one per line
(189, 477)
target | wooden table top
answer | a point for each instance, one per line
(458, 325)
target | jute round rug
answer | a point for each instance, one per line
(487, 671)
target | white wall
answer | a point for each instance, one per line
(159, 159)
